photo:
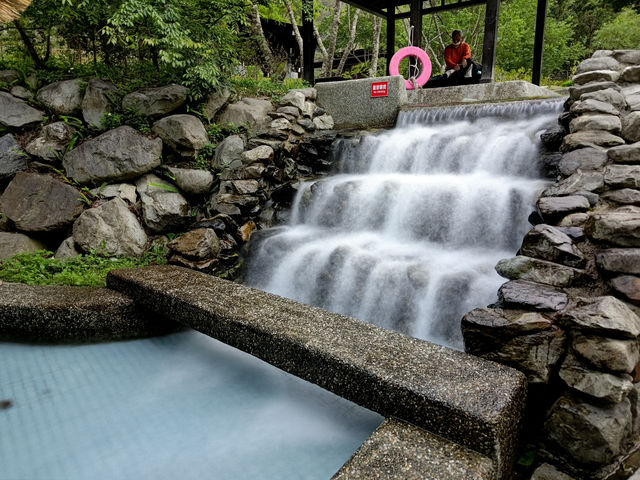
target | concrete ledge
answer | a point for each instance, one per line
(483, 92)
(400, 451)
(60, 314)
(350, 104)
(467, 400)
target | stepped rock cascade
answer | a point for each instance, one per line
(408, 230)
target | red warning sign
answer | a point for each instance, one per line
(380, 89)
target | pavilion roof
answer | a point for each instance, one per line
(379, 7)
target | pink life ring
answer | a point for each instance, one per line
(394, 66)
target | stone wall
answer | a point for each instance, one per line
(70, 186)
(568, 316)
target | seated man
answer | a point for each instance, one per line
(459, 66)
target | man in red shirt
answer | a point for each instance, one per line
(457, 56)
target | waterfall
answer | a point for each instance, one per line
(406, 233)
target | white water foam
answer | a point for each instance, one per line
(406, 234)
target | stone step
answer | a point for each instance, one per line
(469, 401)
(400, 451)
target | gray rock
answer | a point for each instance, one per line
(12, 159)
(582, 107)
(625, 153)
(577, 92)
(628, 287)
(192, 181)
(20, 92)
(631, 74)
(530, 295)
(549, 472)
(602, 430)
(307, 111)
(583, 159)
(162, 208)
(611, 96)
(294, 99)
(605, 315)
(125, 191)
(539, 271)
(110, 229)
(631, 127)
(14, 243)
(607, 354)
(596, 76)
(9, 76)
(609, 123)
(549, 243)
(634, 102)
(599, 385)
(230, 204)
(258, 142)
(323, 122)
(67, 249)
(598, 63)
(184, 134)
(229, 153)
(251, 111)
(197, 244)
(298, 129)
(116, 155)
(553, 209)
(619, 260)
(16, 113)
(590, 138)
(280, 124)
(158, 101)
(96, 102)
(627, 56)
(625, 196)
(587, 181)
(535, 355)
(51, 142)
(618, 227)
(292, 112)
(263, 154)
(239, 187)
(63, 98)
(574, 220)
(309, 93)
(307, 124)
(622, 176)
(40, 203)
(215, 101)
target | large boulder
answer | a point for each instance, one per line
(549, 243)
(153, 102)
(192, 181)
(197, 244)
(229, 153)
(530, 295)
(51, 142)
(97, 102)
(63, 98)
(539, 271)
(184, 134)
(12, 159)
(119, 154)
(250, 111)
(603, 431)
(598, 63)
(609, 123)
(583, 159)
(40, 203)
(619, 227)
(601, 386)
(611, 96)
(215, 101)
(619, 260)
(587, 181)
(163, 207)
(594, 106)
(625, 153)
(607, 354)
(110, 229)
(602, 315)
(16, 113)
(14, 243)
(631, 127)
(591, 138)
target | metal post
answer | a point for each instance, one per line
(308, 42)
(416, 22)
(538, 45)
(391, 31)
(490, 40)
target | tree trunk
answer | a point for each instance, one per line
(24, 36)
(296, 31)
(268, 59)
(349, 47)
(335, 23)
(323, 50)
(377, 26)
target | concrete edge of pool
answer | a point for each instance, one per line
(465, 400)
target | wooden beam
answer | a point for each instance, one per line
(308, 42)
(443, 7)
(391, 31)
(367, 8)
(539, 42)
(490, 40)
(416, 22)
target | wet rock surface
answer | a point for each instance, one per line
(12, 158)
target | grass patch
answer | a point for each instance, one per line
(40, 268)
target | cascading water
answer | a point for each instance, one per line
(407, 233)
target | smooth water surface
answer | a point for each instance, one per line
(406, 233)
(182, 406)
